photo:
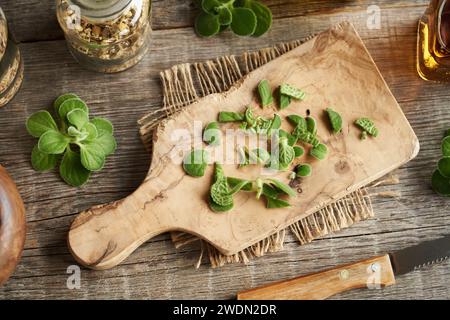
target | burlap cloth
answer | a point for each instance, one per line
(183, 84)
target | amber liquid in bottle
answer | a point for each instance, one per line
(433, 45)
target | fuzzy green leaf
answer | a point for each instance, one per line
(72, 170)
(282, 187)
(335, 120)
(265, 93)
(319, 152)
(270, 192)
(244, 21)
(276, 123)
(53, 142)
(292, 140)
(74, 132)
(273, 203)
(305, 136)
(263, 17)
(311, 125)
(299, 151)
(225, 116)
(444, 166)
(259, 156)
(233, 182)
(367, 125)
(106, 142)
(286, 153)
(39, 123)
(71, 104)
(103, 126)
(58, 102)
(42, 161)
(291, 91)
(218, 208)
(78, 118)
(92, 157)
(207, 25)
(212, 134)
(445, 147)
(296, 120)
(220, 190)
(285, 101)
(195, 163)
(303, 170)
(92, 134)
(225, 16)
(209, 6)
(440, 184)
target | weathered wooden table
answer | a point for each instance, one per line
(157, 270)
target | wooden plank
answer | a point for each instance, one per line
(157, 270)
(170, 275)
(36, 20)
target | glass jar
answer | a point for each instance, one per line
(433, 45)
(106, 35)
(11, 64)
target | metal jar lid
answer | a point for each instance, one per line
(101, 10)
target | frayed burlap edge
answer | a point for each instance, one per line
(184, 84)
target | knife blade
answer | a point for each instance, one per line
(374, 272)
(423, 254)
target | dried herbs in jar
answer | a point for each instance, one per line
(11, 64)
(106, 35)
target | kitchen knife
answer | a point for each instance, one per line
(371, 273)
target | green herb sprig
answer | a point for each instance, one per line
(80, 144)
(243, 17)
(224, 188)
(250, 122)
(367, 126)
(440, 180)
(306, 132)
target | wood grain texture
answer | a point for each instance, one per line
(172, 14)
(12, 226)
(103, 236)
(157, 270)
(325, 284)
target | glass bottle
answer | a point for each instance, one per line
(11, 64)
(106, 35)
(433, 45)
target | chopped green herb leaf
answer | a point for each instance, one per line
(319, 152)
(303, 170)
(367, 125)
(195, 163)
(335, 120)
(291, 91)
(265, 93)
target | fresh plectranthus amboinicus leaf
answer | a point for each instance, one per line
(75, 143)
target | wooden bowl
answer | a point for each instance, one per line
(12, 226)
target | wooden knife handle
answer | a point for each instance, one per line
(371, 273)
(12, 226)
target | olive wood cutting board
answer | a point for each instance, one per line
(335, 70)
